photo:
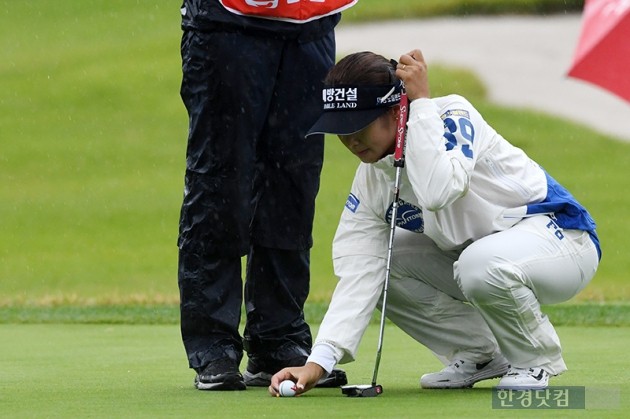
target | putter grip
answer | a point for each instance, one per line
(399, 152)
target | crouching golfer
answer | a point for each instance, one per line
(485, 235)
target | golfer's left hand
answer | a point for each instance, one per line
(413, 71)
(305, 377)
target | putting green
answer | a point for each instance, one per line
(140, 371)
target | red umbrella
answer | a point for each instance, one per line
(602, 56)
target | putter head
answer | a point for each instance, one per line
(364, 390)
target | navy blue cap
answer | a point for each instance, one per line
(349, 109)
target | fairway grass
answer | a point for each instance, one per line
(138, 371)
(93, 154)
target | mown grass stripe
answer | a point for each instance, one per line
(586, 314)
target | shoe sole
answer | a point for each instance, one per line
(468, 383)
(525, 387)
(540, 385)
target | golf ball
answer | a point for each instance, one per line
(287, 388)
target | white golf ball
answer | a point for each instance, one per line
(286, 388)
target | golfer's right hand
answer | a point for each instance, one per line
(305, 377)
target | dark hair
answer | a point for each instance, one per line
(362, 68)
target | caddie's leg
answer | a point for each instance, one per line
(276, 290)
(509, 274)
(286, 183)
(216, 211)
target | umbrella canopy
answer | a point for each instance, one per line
(602, 56)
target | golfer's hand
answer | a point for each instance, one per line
(305, 378)
(412, 70)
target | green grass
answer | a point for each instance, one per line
(140, 371)
(94, 168)
(93, 144)
(91, 167)
(583, 314)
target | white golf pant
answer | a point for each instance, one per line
(486, 298)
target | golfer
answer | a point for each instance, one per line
(485, 235)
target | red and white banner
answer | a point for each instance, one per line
(602, 56)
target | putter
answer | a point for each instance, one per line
(373, 390)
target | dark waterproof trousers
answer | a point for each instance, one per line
(250, 187)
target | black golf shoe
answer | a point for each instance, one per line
(260, 370)
(336, 378)
(221, 374)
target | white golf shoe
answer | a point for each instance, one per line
(464, 374)
(524, 379)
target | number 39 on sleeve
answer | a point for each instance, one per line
(459, 133)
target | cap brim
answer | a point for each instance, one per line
(345, 122)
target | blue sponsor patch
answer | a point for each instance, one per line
(352, 203)
(409, 217)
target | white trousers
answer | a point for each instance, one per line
(486, 299)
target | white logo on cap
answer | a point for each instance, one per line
(340, 94)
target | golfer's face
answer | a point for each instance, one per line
(373, 142)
